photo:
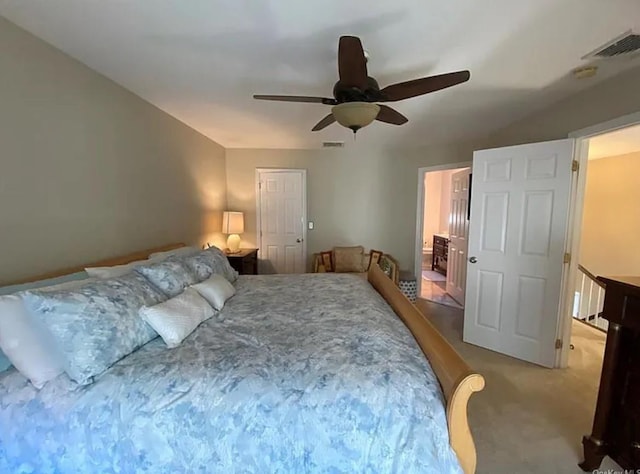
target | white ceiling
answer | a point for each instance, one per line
(201, 60)
(615, 143)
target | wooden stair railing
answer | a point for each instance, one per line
(589, 299)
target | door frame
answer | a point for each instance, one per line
(258, 174)
(576, 207)
(422, 171)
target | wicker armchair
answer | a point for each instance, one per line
(355, 260)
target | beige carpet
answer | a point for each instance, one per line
(529, 419)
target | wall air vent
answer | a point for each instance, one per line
(623, 45)
(332, 144)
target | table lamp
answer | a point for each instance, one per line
(233, 224)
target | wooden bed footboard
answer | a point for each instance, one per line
(457, 379)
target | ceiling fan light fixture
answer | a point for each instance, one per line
(355, 115)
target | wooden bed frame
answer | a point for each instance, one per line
(109, 262)
(457, 379)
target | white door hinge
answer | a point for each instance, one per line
(567, 258)
(558, 343)
(575, 166)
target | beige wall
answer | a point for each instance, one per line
(355, 195)
(610, 99)
(432, 206)
(89, 170)
(611, 221)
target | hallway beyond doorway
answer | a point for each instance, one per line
(441, 233)
(434, 288)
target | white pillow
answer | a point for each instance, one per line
(114, 271)
(179, 252)
(216, 290)
(26, 341)
(176, 318)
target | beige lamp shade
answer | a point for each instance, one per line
(355, 115)
(232, 222)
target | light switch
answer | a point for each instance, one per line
(310, 225)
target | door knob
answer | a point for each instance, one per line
(473, 259)
(299, 240)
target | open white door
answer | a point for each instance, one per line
(519, 217)
(458, 235)
(282, 220)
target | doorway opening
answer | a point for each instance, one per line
(589, 144)
(606, 227)
(526, 220)
(441, 233)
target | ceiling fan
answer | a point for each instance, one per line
(356, 94)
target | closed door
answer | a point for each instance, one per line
(458, 235)
(517, 236)
(282, 220)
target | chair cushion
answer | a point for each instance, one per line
(348, 259)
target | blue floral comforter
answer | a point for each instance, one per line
(304, 373)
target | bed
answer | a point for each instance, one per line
(298, 373)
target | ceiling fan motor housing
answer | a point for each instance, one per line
(344, 93)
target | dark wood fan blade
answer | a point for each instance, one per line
(388, 115)
(324, 123)
(405, 90)
(297, 98)
(352, 65)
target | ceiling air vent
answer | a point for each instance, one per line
(623, 45)
(332, 144)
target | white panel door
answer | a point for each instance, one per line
(458, 235)
(282, 221)
(519, 217)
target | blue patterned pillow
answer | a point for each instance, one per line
(170, 276)
(96, 325)
(5, 363)
(200, 264)
(221, 265)
(210, 262)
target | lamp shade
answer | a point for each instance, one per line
(355, 115)
(232, 222)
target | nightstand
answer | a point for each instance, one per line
(245, 262)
